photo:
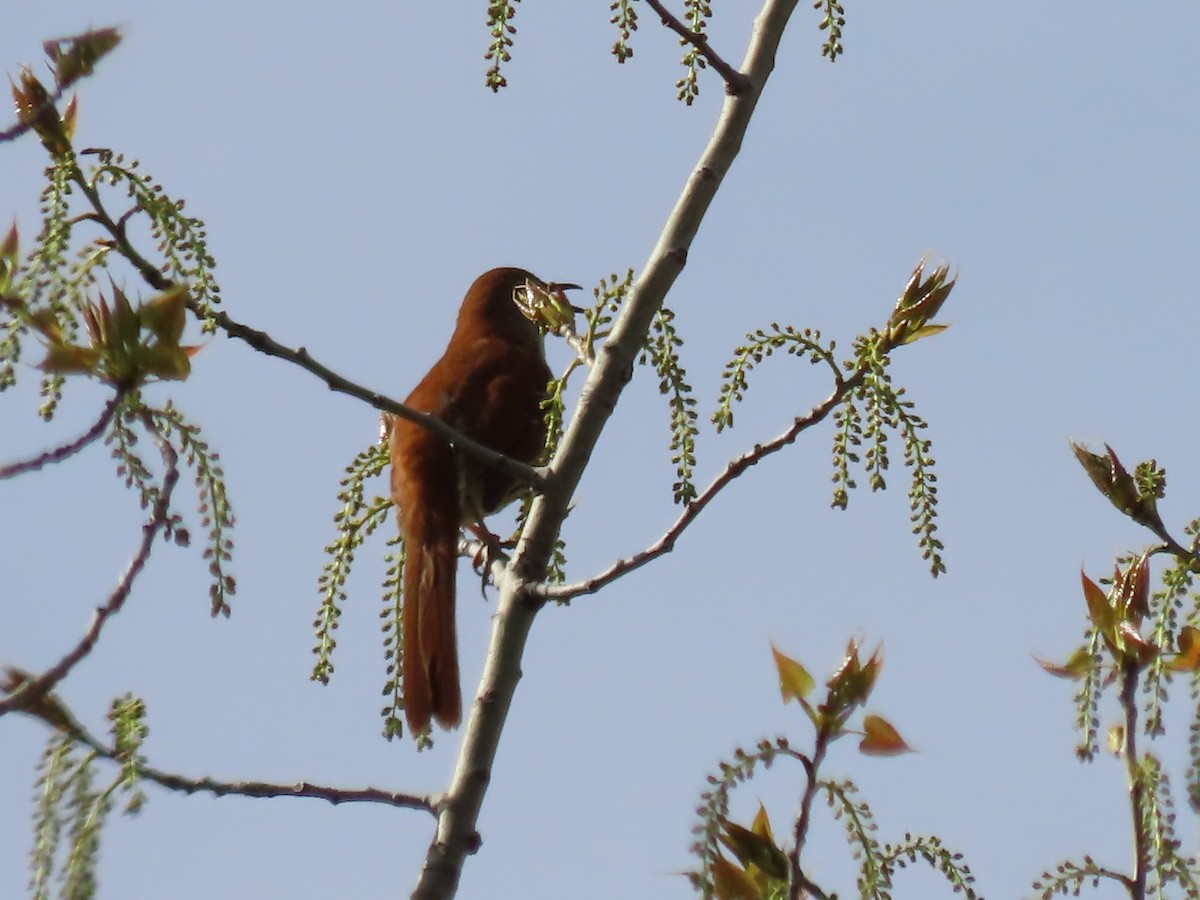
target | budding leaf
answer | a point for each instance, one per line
(762, 824)
(1099, 611)
(852, 683)
(76, 56)
(921, 301)
(70, 359)
(1112, 480)
(754, 850)
(1188, 659)
(881, 739)
(1079, 665)
(732, 882)
(165, 314)
(794, 680)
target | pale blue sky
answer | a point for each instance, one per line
(356, 175)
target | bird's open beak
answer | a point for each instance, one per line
(567, 287)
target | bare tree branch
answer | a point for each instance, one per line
(735, 81)
(1142, 839)
(58, 454)
(334, 795)
(801, 884)
(51, 710)
(32, 691)
(518, 604)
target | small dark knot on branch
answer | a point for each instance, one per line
(678, 256)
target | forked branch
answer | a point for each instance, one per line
(735, 82)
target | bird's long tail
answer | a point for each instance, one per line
(431, 682)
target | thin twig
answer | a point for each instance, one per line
(1137, 785)
(54, 713)
(58, 454)
(334, 795)
(692, 510)
(32, 691)
(1170, 545)
(801, 885)
(735, 81)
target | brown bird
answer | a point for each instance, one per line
(488, 385)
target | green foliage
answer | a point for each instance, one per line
(1087, 699)
(126, 347)
(625, 17)
(70, 59)
(127, 344)
(44, 284)
(867, 408)
(1136, 496)
(392, 626)
(714, 807)
(1165, 607)
(1166, 866)
(871, 411)
(70, 810)
(354, 521)
(1150, 630)
(879, 863)
(859, 824)
(213, 505)
(872, 408)
(763, 869)
(556, 570)
(216, 513)
(609, 295)
(833, 18)
(127, 717)
(930, 851)
(87, 809)
(76, 57)
(179, 238)
(54, 774)
(500, 14)
(37, 111)
(50, 295)
(125, 436)
(696, 16)
(759, 345)
(1137, 640)
(1071, 877)
(554, 409)
(663, 349)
